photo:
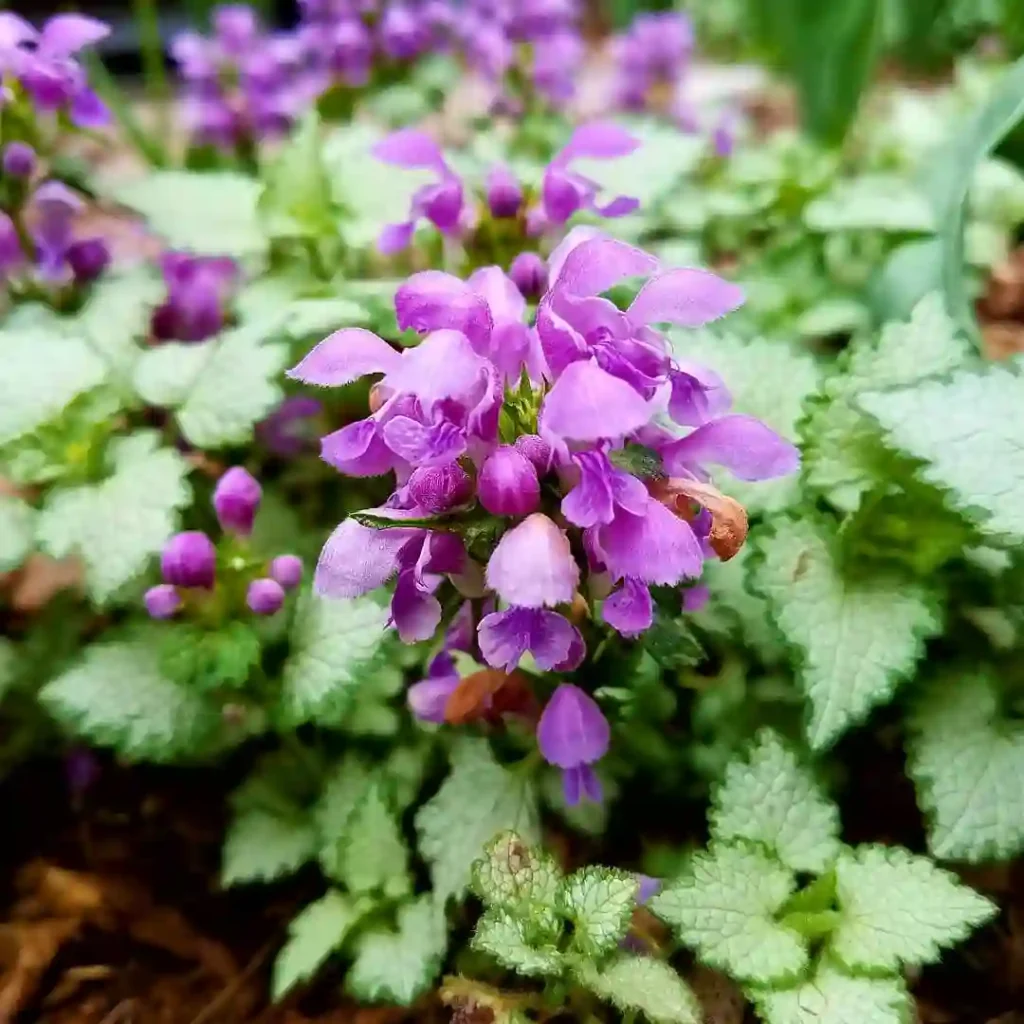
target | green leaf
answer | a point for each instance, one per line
(831, 997)
(210, 213)
(770, 798)
(41, 372)
(599, 902)
(17, 531)
(478, 800)
(209, 659)
(966, 430)
(313, 935)
(898, 910)
(767, 379)
(345, 787)
(952, 169)
(373, 855)
(504, 937)
(724, 906)
(296, 200)
(967, 761)
(513, 876)
(265, 844)
(116, 697)
(117, 525)
(857, 639)
(643, 983)
(397, 966)
(220, 389)
(334, 647)
(871, 202)
(8, 665)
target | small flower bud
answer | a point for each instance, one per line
(504, 193)
(88, 259)
(236, 499)
(162, 601)
(287, 570)
(537, 450)
(264, 596)
(723, 138)
(529, 274)
(508, 484)
(19, 160)
(436, 489)
(189, 560)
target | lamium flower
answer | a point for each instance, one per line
(43, 65)
(514, 448)
(529, 273)
(264, 596)
(287, 571)
(651, 58)
(236, 499)
(88, 259)
(199, 293)
(429, 697)
(289, 430)
(189, 559)
(162, 601)
(573, 735)
(463, 215)
(19, 160)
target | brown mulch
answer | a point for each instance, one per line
(1001, 308)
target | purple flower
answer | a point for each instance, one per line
(552, 640)
(162, 601)
(564, 192)
(653, 52)
(189, 560)
(696, 598)
(442, 203)
(508, 484)
(88, 259)
(54, 207)
(19, 160)
(556, 61)
(286, 570)
(629, 610)
(504, 193)
(529, 274)
(401, 32)
(437, 489)
(429, 697)
(235, 500)
(264, 596)
(537, 450)
(647, 887)
(723, 138)
(44, 64)
(573, 734)
(533, 565)
(11, 255)
(288, 430)
(199, 290)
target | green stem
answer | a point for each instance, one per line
(147, 18)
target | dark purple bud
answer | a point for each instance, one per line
(236, 499)
(287, 570)
(436, 489)
(537, 450)
(529, 274)
(504, 194)
(264, 596)
(189, 560)
(19, 160)
(88, 259)
(162, 601)
(508, 484)
(82, 768)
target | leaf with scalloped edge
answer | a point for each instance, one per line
(504, 936)
(599, 902)
(644, 984)
(831, 997)
(769, 797)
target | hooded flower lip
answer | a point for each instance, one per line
(746, 447)
(629, 610)
(508, 484)
(587, 404)
(552, 640)
(573, 734)
(199, 290)
(533, 565)
(236, 499)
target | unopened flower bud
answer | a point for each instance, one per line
(189, 560)
(537, 450)
(436, 489)
(162, 601)
(529, 274)
(264, 596)
(19, 160)
(88, 259)
(287, 570)
(504, 193)
(236, 499)
(508, 484)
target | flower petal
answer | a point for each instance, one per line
(65, 34)
(357, 449)
(443, 366)
(434, 445)
(587, 404)
(414, 610)
(600, 140)
(599, 263)
(506, 636)
(629, 610)
(572, 730)
(395, 237)
(745, 446)
(432, 300)
(533, 566)
(14, 30)
(357, 559)
(620, 206)
(411, 149)
(686, 296)
(345, 356)
(656, 547)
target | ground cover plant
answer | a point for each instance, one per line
(489, 533)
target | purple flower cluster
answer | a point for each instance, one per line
(241, 83)
(199, 293)
(346, 39)
(508, 442)
(651, 58)
(188, 563)
(563, 191)
(41, 66)
(39, 253)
